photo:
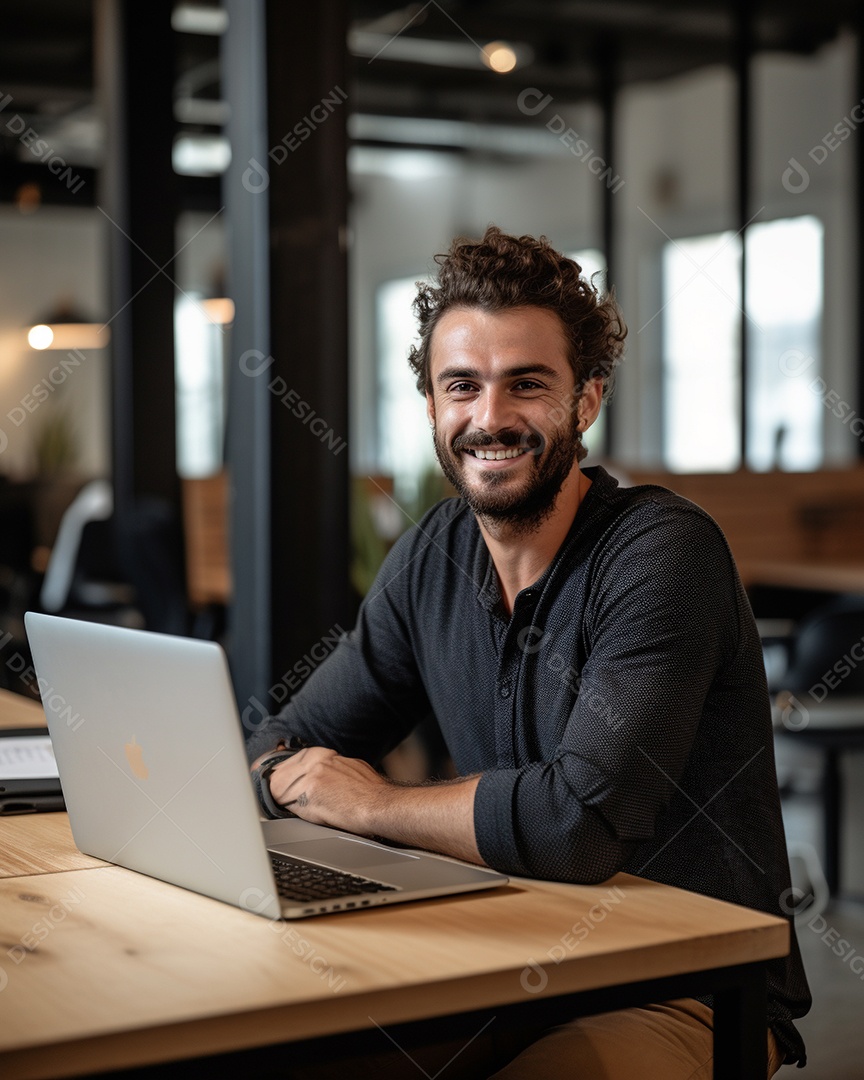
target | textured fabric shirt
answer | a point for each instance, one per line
(619, 717)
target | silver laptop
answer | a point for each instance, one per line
(150, 752)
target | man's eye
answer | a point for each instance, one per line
(461, 388)
(528, 384)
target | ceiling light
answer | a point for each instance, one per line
(199, 19)
(438, 52)
(68, 336)
(67, 327)
(499, 56)
(40, 336)
(200, 155)
(219, 310)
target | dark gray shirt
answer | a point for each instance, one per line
(619, 716)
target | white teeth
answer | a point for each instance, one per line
(498, 455)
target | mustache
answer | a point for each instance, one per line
(507, 437)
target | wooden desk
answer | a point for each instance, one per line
(19, 711)
(103, 968)
(819, 576)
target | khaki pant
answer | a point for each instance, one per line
(672, 1041)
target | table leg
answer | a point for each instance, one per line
(831, 808)
(740, 1030)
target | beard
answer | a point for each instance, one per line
(495, 497)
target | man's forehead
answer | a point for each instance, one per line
(522, 330)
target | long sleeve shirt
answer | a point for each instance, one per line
(619, 716)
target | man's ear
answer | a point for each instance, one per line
(430, 409)
(590, 401)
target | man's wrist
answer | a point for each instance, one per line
(264, 766)
(375, 816)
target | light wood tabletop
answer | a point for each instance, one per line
(105, 968)
(102, 968)
(19, 711)
(39, 844)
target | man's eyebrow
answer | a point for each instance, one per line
(509, 373)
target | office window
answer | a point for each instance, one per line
(701, 354)
(404, 440)
(199, 382)
(784, 301)
(594, 268)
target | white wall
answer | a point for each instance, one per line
(677, 164)
(52, 254)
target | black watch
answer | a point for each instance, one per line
(260, 777)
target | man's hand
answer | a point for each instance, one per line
(322, 787)
(267, 753)
(325, 788)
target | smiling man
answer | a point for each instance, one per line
(587, 650)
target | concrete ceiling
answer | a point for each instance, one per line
(420, 59)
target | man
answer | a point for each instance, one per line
(588, 652)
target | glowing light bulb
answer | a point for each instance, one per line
(40, 337)
(499, 56)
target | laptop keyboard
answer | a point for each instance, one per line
(299, 880)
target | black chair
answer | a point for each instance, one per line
(83, 579)
(118, 568)
(821, 705)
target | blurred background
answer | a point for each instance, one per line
(212, 221)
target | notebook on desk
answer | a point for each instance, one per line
(28, 772)
(149, 747)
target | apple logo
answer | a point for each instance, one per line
(136, 760)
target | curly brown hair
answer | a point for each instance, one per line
(502, 271)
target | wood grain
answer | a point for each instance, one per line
(39, 844)
(107, 968)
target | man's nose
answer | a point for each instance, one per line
(494, 410)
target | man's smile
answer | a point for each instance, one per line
(496, 455)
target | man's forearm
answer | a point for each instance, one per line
(345, 793)
(436, 817)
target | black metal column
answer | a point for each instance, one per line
(743, 186)
(137, 201)
(310, 527)
(859, 224)
(286, 197)
(247, 448)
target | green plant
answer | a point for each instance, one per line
(55, 443)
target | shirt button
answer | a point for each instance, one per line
(505, 689)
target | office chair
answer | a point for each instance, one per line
(118, 568)
(821, 704)
(82, 577)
